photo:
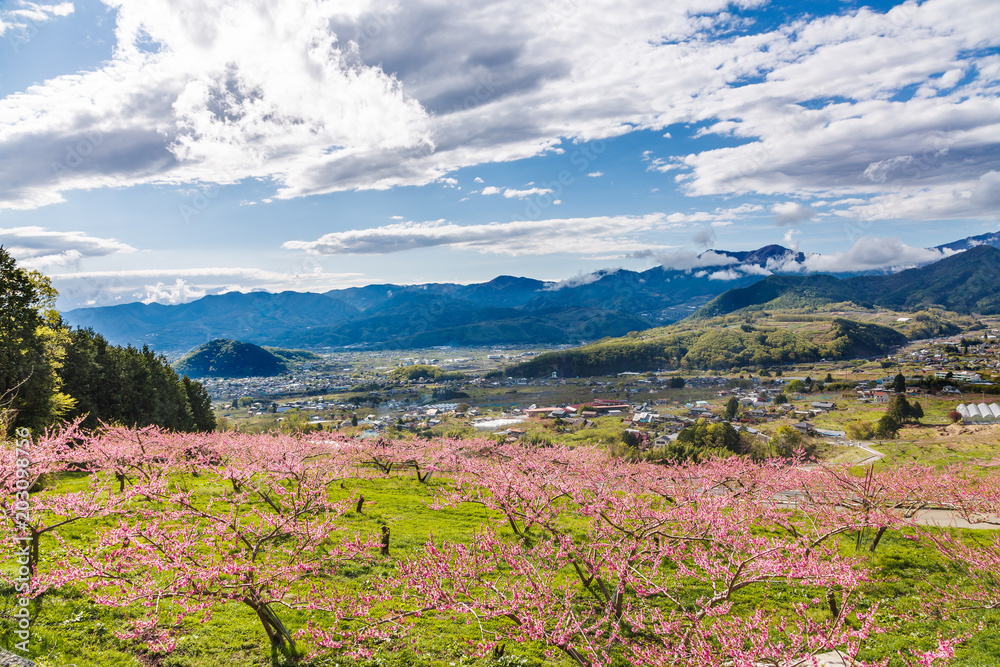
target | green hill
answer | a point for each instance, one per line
(963, 283)
(720, 343)
(230, 358)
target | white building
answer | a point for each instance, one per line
(979, 414)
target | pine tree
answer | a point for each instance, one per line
(32, 345)
(200, 404)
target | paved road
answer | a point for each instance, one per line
(873, 454)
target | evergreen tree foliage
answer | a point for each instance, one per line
(200, 404)
(32, 340)
(732, 407)
(129, 386)
(48, 373)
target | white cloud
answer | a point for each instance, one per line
(169, 286)
(179, 292)
(595, 174)
(305, 93)
(686, 261)
(204, 91)
(823, 120)
(866, 254)
(792, 213)
(526, 237)
(479, 180)
(577, 281)
(523, 194)
(727, 274)
(491, 190)
(870, 254)
(20, 19)
(38, 248)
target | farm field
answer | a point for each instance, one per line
(227, 549)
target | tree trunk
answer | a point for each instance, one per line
(831, 600)
(385, 541)
(878, 536)
(573, 653)
(279, 636)
(34, 556)
(361, 502)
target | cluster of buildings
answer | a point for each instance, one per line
(936, 360)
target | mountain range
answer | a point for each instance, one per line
(965, 283)
(506, 310)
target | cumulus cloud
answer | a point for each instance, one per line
(686, 260)
(179, 292)
(871, 254)
(897, 108)
(40, 248)
(525, 237)
(792, 213)
(576, 281)
(491, 190)
(790, 238)
(866, 254)
(727, 274)
(204, 91)
(820, 119)
(986, 191)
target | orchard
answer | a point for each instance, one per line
(151, 547)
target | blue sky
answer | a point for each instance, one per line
(161, 150)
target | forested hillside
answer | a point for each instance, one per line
(963, 283)
(714, 346)
(49, 373)
(231, 358)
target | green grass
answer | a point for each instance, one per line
(68, 629)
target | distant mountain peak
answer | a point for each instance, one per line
(761, 256)
(990, 239)
(608, 302)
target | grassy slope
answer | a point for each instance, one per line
(726, 342)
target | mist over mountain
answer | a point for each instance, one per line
(965, 282)
(990, 239)
(505, 310)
